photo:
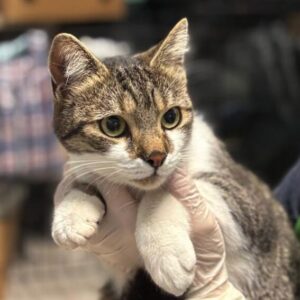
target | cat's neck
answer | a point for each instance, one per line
(204, 150)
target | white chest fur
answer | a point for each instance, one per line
(163, 226)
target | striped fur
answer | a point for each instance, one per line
(262, 252)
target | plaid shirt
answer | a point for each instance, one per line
(28, 146)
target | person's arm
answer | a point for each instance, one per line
(288, 193)
(211, 278)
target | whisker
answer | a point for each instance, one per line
(111, 183)
(87, 160)
(83, 168)
(105, 177)
(82, 165)
(82, 175)
(72, 169)
(101, 178)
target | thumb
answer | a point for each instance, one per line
(184, 189)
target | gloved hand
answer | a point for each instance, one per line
(114, 241)
(81, 220)
(211, 278)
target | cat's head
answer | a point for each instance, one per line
(126, 118)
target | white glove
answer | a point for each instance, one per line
(82, 220)
(211, 278)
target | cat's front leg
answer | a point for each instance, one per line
(162, 236)
(76, 218)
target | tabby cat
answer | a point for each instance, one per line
(135, 116)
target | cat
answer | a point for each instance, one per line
(135, 116)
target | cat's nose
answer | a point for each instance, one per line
(155, 159)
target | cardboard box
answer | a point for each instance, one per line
(60, 11)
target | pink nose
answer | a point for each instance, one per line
(156, 159)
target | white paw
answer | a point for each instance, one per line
(171, 266)
(76, 219)
(162, 237)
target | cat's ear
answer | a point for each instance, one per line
(170, 51)
(70, 61)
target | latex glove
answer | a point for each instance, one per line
(114, 241)
(112, 237)
(211, 278)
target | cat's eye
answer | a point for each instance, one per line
(113, 126)
(171, 118)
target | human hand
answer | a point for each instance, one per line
(211, 278)
(114, 242)
(82, 220)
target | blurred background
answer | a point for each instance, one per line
(244, 75)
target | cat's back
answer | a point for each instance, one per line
(272, 240)
(273, 253)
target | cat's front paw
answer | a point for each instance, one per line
(172, 266)
(76, 219)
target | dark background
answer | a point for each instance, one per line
(243, 69)
(244, 74)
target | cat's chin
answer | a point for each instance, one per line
(149, 183)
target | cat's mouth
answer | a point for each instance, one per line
(150, 182)
(149, 179)
(154, 180)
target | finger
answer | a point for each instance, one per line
(181, 185)
(116, 196)
(120, 204)
(183, 188)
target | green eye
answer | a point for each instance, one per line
(113, 126)
(171, 118)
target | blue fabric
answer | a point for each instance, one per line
(288, 192)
